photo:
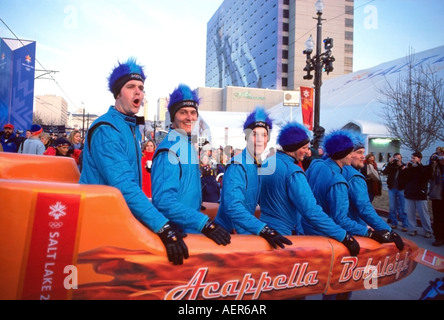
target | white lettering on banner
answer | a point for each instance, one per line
(383, 268)
(52, 246)
(299, 277)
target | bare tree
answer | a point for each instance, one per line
(414, 106)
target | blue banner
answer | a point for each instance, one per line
(17, 72)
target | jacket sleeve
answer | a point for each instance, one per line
(165, 184)
(114, 166)
(338, 203)
(234, 191)
(300, 192)
(358, 195)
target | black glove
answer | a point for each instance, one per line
(382, 236)
(385, 236)
(352, 245)
(274, 238)
(175, 247)
(394, 237)
(216, 233)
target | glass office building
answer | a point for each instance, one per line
(259, 44)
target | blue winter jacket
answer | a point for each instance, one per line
(112, 157)
(331, 192)
(240, 196)
(286, 197)
(361, 209)
(175, 182)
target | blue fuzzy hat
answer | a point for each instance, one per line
(182, 97)
(339, 144)
(258, 118)
(358, 141)
(293, 136)
(123, 73)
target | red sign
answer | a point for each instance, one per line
(307, 107)
(51, 246)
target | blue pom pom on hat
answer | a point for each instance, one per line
(338, 144)
(258, 118)
(183, 96)
(124, 72)
(293, 136)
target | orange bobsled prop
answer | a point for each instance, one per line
(62, 240)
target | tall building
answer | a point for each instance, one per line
(52, 109)
(260, 44)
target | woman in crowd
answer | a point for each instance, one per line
(148, 149)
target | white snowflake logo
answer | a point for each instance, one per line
(57, 210)
(306, 94)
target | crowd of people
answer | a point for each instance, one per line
(38, 142)
(164, 186)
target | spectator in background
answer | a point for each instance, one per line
(75, 137)
(436, 195)
(416, 177)
(210, 187)
(63, 148)
(148, 149)
(374, 186)
(8, 139)
(20, 139)
(45, 138)
(33, 145)
(396, 192)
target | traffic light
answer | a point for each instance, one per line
(328, 44)
(329, 64)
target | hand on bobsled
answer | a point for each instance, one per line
(385, 236)
(274, 238)
(175, 247)
(352, 245)
(397, 240)
(216, 233)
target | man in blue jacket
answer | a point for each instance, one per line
(175, 175)
(242, 184)
(361, 209)
(329, 185)
(286, 195)
(112, 156)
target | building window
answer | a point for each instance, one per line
(284, 54)
(285, 41)
(285, 27)
(286, 13)
(349, 23)
(285, 68)
(284, 82)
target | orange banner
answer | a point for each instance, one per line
(307, 107)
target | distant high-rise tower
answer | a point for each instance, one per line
(259, 44)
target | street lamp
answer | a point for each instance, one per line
(317, 63)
